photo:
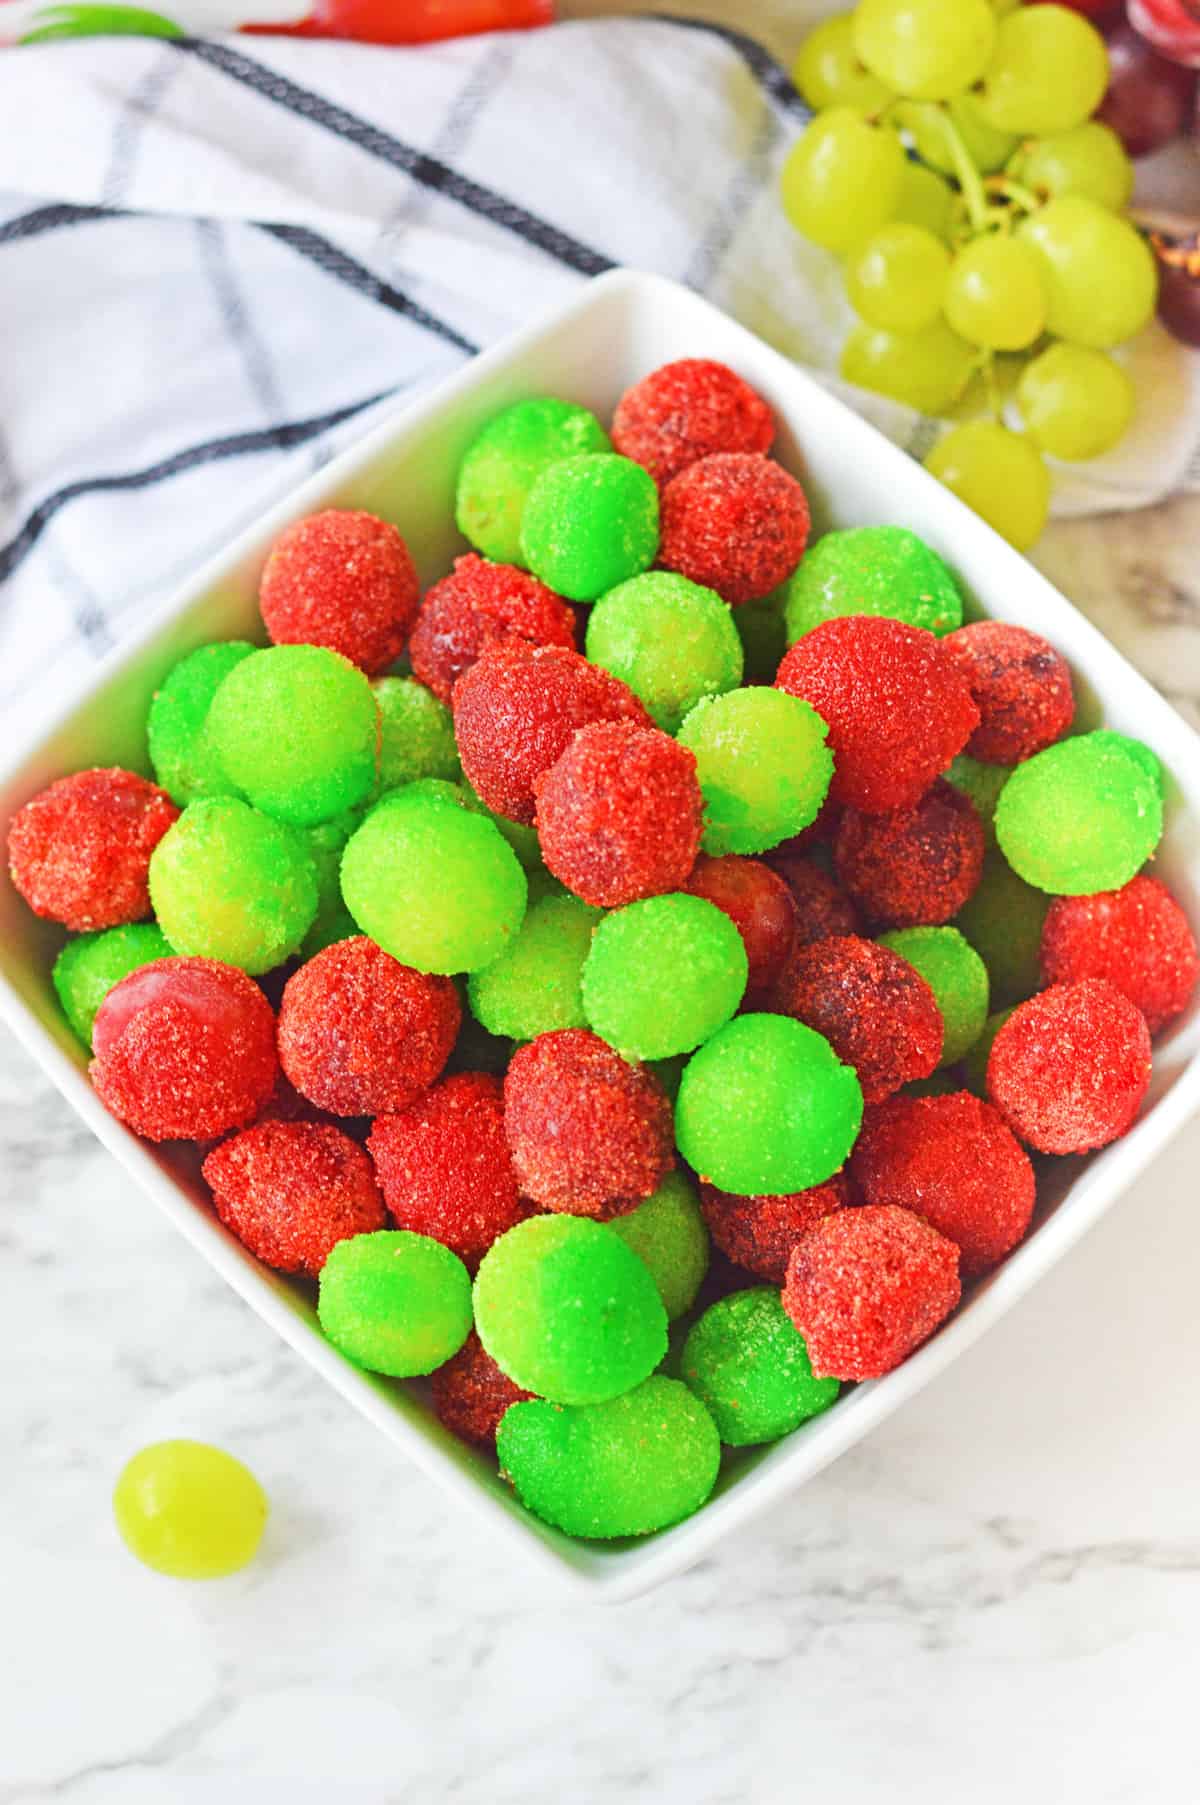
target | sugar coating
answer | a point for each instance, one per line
(523, 840)
(822, 906)
(1021, 686)
(342, 579)
(436, 886)
(1137, 937)
(185, 1050)
(79, 851)
(670, 640)
(880, 570)
(975, 1060)
(90, 964)
(416, 734)
(189, 1510)
(620, 814)
(759, 1233)
(764, 767)
(589, 1133)
(629, 1466)
(983, 784)
(326, 843)
(478, 605)
(1070, 1067)
(296, 728)
(916, 866)
(874, 1009)
(589, 524)
(897, 706)
(761, 908)
(749, 1367)
(1003, 921)
(360, 1033)
(470, 1394)
(686, 410)
(663, 975)
(394, 1302)
(735, 522)
(766, 1106)
(290, 1191)
(504, 460)
(228, 882)
(177, 725)
(867, 1286)
(568, 1311)
(534, 986)
(761, 629)
(954, 1162)
(445, 1168)
(517, 710)
(667, 1232)
(957, 977)
(1082, 816)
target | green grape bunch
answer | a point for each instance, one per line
(954, 166)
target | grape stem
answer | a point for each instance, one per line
(968, 176)
(1016, 192)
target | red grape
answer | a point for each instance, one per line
(1179, 285)
(1172, 26)
(1091, 9)
(1149, 100)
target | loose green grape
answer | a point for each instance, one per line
(1090, 159)
(927, 370)
(994, 295)
(1099, 274)
(926, 200)
(987, 148)
(925, 49)
(898, 278)
(1075, 402)
(842, 179)
(829, 72)
(999, 474)
(189, 1510)
(1047, 74)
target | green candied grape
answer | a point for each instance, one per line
(567, 1310)
(297, 730)
(521, 838)
(504, 460)
(589, 524)
(880, 570)
(416, 734)
(395, 1302)
(229, 883)
(1003, 921)
(181, 751)
(975, 1061)
(748, 1364)
(625, 1467)
(957, 977)
(663, 975)
(766, 1106)
(668, 1233)
(433, 884)
(671, 640)
(1082, 816)
(763, 766)
(763, 635)
(189, 1510)
(90, 964)
(534, 986)
(333, 920)
(982, 784)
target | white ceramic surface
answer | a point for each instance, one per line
(622, 326)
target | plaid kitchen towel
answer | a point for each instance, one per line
(220, 259)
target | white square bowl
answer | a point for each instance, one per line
(620, 327)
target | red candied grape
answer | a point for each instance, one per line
(517, 710)
(897, 706)
(759, 1233)
(290, 1191)
(590, 1135)
(1020, 685)
(1069, 1068)
(619, 816)
(480, 605)
(470, 1393)
(685, 411)
(736, 523)
(917, 866)
(359, 1033)
(342, 579)
(822, 906)
(185, 1050)
(954, 1162)
(877, 1012)
(79, 851)
(445, 1167)
(761, 907)
(1149, 100)
(1172, 26)
(1137, 937)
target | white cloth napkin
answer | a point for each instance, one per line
(221, 259)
